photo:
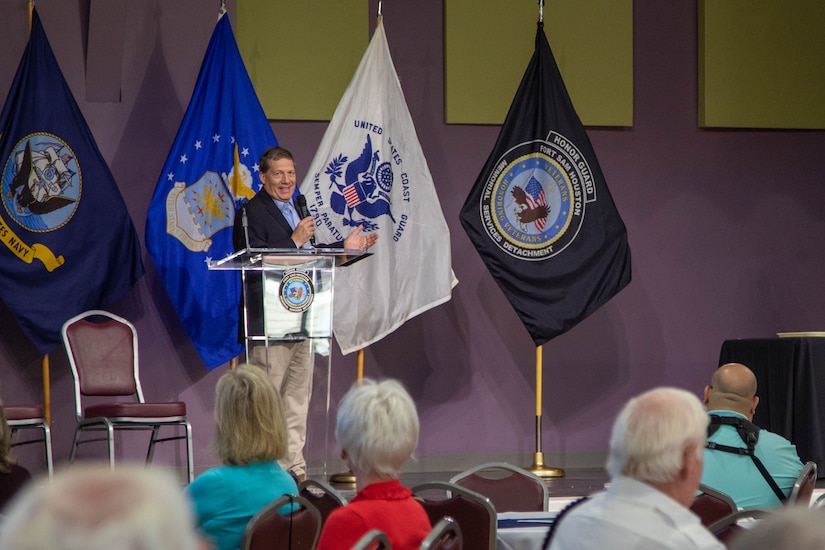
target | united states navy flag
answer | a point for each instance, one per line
(211, 167)
(68, 243)
(540, 214)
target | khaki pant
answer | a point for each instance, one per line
(290, 367)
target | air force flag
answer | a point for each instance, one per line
(211, 167)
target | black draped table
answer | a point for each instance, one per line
(791, 376)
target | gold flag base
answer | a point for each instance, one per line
(345, 477)
(543, 471)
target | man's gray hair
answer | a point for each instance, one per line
(652, 432)
(97, 508)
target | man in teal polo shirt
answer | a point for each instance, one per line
(731, 402)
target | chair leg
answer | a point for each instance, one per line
(47, 441)
(151, 452)
(73, 453)
(190, 464)
(110, 431)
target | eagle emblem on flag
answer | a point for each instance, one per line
(365, 189)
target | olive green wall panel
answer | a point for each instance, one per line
(761, 63)
(300, 54)
(488, 44)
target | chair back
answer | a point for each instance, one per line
(103, 355)
(712, 505)
(322, 495)
(473, 512)
(727, 528)
(296, 530)
(446, 535)
(803, 487)
(373, 540)
(510, 488)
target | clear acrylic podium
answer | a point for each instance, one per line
(287, 297)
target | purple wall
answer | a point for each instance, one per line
(726, 229)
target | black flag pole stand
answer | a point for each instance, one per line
(538, 466)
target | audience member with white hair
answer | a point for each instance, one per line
(93, 507)
(655, 464)
(377, 430)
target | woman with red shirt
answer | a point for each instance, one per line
(377, 430)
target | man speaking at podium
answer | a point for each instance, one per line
(271, 219)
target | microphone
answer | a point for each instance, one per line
(303, 211)
(245, 223)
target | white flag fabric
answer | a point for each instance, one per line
(370, 170)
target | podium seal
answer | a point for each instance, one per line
(296, 291)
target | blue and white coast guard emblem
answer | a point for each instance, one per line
(373, 190)
(364, 193)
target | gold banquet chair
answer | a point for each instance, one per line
(103, 355)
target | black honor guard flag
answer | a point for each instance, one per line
(540, 214)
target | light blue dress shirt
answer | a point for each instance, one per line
(291, 215)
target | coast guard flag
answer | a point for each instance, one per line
(370, 170)
(67, 243)
(211, 167)
(540, 214)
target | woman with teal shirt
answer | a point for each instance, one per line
(249, 439)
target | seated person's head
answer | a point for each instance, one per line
(659, 438)
(97, 508)
(377, 428)
(732, 388)
(791, 528)
(250, 425)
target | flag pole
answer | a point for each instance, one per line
(44, 362)
(538, 466)
(47, 393)
(348, 477)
